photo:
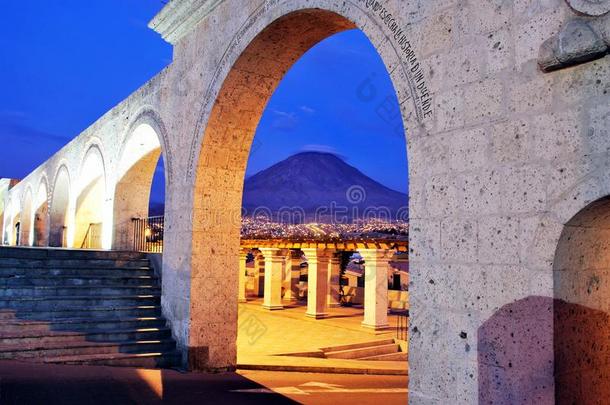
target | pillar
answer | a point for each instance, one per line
(317, 284)
(258, 287)
(334, 275)
(243, 256)
(376, 265)
(293, 275)
(274, 262)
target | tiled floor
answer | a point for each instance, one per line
(264, 332)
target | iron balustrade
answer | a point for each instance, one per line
(93, 237)
(402, 324)
(148, 234)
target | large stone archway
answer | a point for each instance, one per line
(255, 71)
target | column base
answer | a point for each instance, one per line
(317, 316)
(376, 328)
(273, 307)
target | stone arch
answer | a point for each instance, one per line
(6, 221)
(142, 146)
(41, 214)
(233, 109)
(60, 205)
(26, 224)
(581, 306)
(14, 224)
(90, 208)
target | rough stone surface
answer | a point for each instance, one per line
(501, 157)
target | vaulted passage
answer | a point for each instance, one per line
(582, 307)
(59, 210)
(90, 202)
(41, 216)
(138, 162)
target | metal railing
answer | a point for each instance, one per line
(148, 234)
(93, 237)
(402, 325)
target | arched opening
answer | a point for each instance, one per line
(60, 202)
(139, 164)
(581, 281)
(90, 202)
(41, 216)
(221, 168)
(16, 229)
(26, 225)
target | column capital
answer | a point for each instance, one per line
(377, 255)
(316, 252)
(273, 253)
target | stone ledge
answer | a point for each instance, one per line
(179, 17)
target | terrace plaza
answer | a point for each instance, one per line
(506, 106)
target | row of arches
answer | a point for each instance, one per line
(84, 209)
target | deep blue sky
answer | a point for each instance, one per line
(64, 63)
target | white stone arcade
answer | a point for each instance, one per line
(503, 152)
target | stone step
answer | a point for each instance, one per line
(10, 341)
(82, 307)
(36, 328)
(109, 280)
(34, 304)
(56, 253)
(398, 356)
(139, 360)
(75, 271)
(87, 348)
(93, 313)
(371, 343)
(363, 352)
(74, 263)
(69, 291)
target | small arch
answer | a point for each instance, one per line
(60, 204)
(41, 214)
(581, 306)
(137, 163)
(26, 224)
(90, 203)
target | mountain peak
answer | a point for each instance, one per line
(312, 181)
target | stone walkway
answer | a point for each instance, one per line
(264, 334)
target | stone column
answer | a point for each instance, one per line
(334, 275)
(243, 256)
(376, 265)
(274, 261)
(317, 284)
(259, 263)
(293, 276)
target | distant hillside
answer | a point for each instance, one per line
(314, 181)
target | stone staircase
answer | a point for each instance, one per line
(82, 307)
(379, 350)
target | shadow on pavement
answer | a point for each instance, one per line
(31, 383)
